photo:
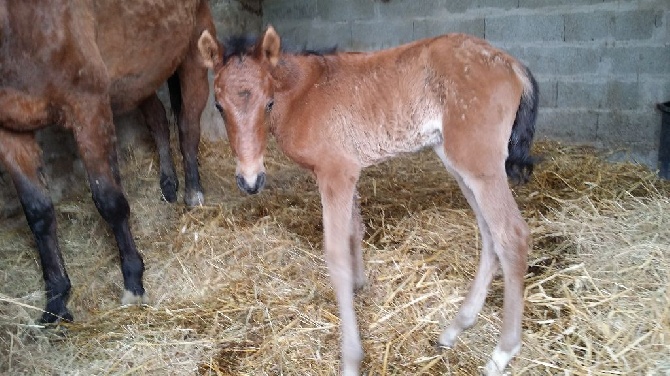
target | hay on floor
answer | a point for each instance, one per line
(240, 286)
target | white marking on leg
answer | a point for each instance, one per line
(130, 298)
(499, 360)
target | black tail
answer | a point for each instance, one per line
(174, 87)
(519, 163)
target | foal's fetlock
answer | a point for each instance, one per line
(360, 283)
(449, 336)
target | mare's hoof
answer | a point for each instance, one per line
(129, 298)
(49, 318)
(169, 187)
(194, 198)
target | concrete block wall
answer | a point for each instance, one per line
(602, 65)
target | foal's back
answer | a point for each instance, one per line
(403, 99)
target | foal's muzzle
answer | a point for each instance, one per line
(255, 187)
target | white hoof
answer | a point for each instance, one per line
(129, 298)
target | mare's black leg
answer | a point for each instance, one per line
(154, 115)
(21, 156)
(97, 147)
(194, 92)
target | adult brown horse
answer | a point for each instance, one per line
(74, 63)
(472, 103)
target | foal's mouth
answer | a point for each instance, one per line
(254, 188)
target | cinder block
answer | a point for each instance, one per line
(412, 8)
(654, 89)
(547, 88)
(460, 6)
(567, 124)
(289, 10)
(500, 4)
(426, 28)
(553, 3)
(559, 60)
(635, 25)
(615, 95)
(620, 26)
(525, 28)
(637, 59)
(588, 26)
(623, 127)
(325, 35)
(345, 10)
(294, 34)
(376, 35)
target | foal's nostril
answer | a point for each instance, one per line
(252, 190)
(260, 181)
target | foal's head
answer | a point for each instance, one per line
(243, 92)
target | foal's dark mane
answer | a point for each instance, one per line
(243, 45)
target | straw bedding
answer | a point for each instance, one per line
(239, 287)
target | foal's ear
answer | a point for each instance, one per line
(270, 46)
(209, 50)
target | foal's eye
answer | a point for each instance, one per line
(219, 107)
(269, 106)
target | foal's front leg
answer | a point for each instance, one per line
(337, 191)
(356, 246)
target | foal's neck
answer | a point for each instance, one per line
(295, 74)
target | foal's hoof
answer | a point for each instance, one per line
(129, 298)
(169, 187)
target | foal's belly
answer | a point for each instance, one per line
(384, 141)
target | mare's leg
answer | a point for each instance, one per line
(20, 155)
(356, 245)
(488, 263)
(194, 93)
(337, 191)
(94, 133)
(154, 115)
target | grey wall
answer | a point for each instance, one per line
(602, 65)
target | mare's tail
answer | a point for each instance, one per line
(519, 163)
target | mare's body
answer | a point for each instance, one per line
(73, 64)
(472, 103)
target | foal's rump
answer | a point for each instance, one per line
(489, 101)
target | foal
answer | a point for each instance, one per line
(473, 104)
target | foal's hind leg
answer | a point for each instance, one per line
(488, 263)
(154, 115)
(510, 236)
(505, 236)
(96, 141)
(194, 92)
(20, 155)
